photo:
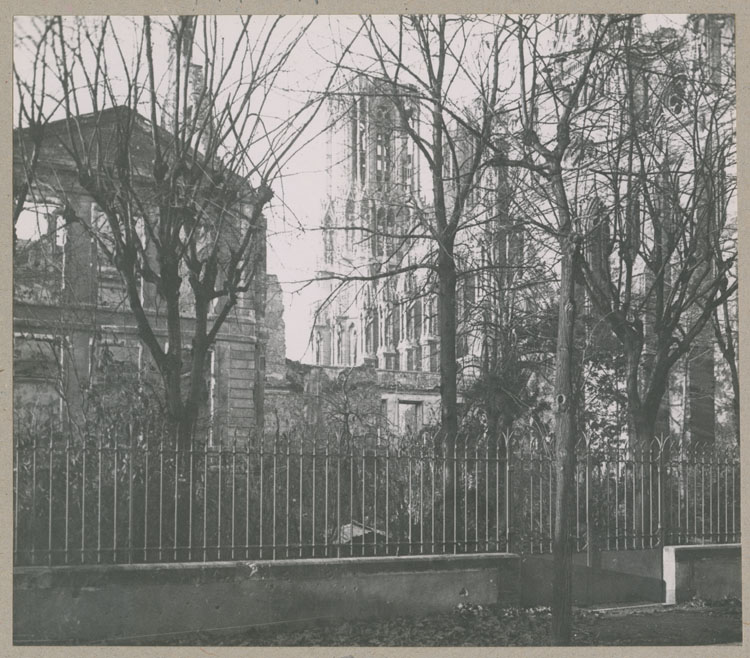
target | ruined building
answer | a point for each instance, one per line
(73, 328)
(78, 353)
(376, 304)
(373, 182)
(371, 234)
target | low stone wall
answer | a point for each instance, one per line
(639, 562)
(121, 602)
(591, 585)
(706, 572)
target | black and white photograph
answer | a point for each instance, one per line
(375, 330)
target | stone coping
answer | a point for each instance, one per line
(297, 568)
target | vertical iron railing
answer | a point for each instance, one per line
(126, 497)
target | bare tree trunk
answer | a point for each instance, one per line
(448, 373)
(562, 586)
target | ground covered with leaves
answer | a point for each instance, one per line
(693, 623)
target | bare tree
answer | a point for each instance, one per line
(179, 160)
(30, 103)
(583, 132)
(724, 322)
(505, 310)
(547, 108)
(421, 51)
(660, 186)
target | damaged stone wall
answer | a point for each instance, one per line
(76, 346)
(359, 401)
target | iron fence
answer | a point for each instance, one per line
(121, 497)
